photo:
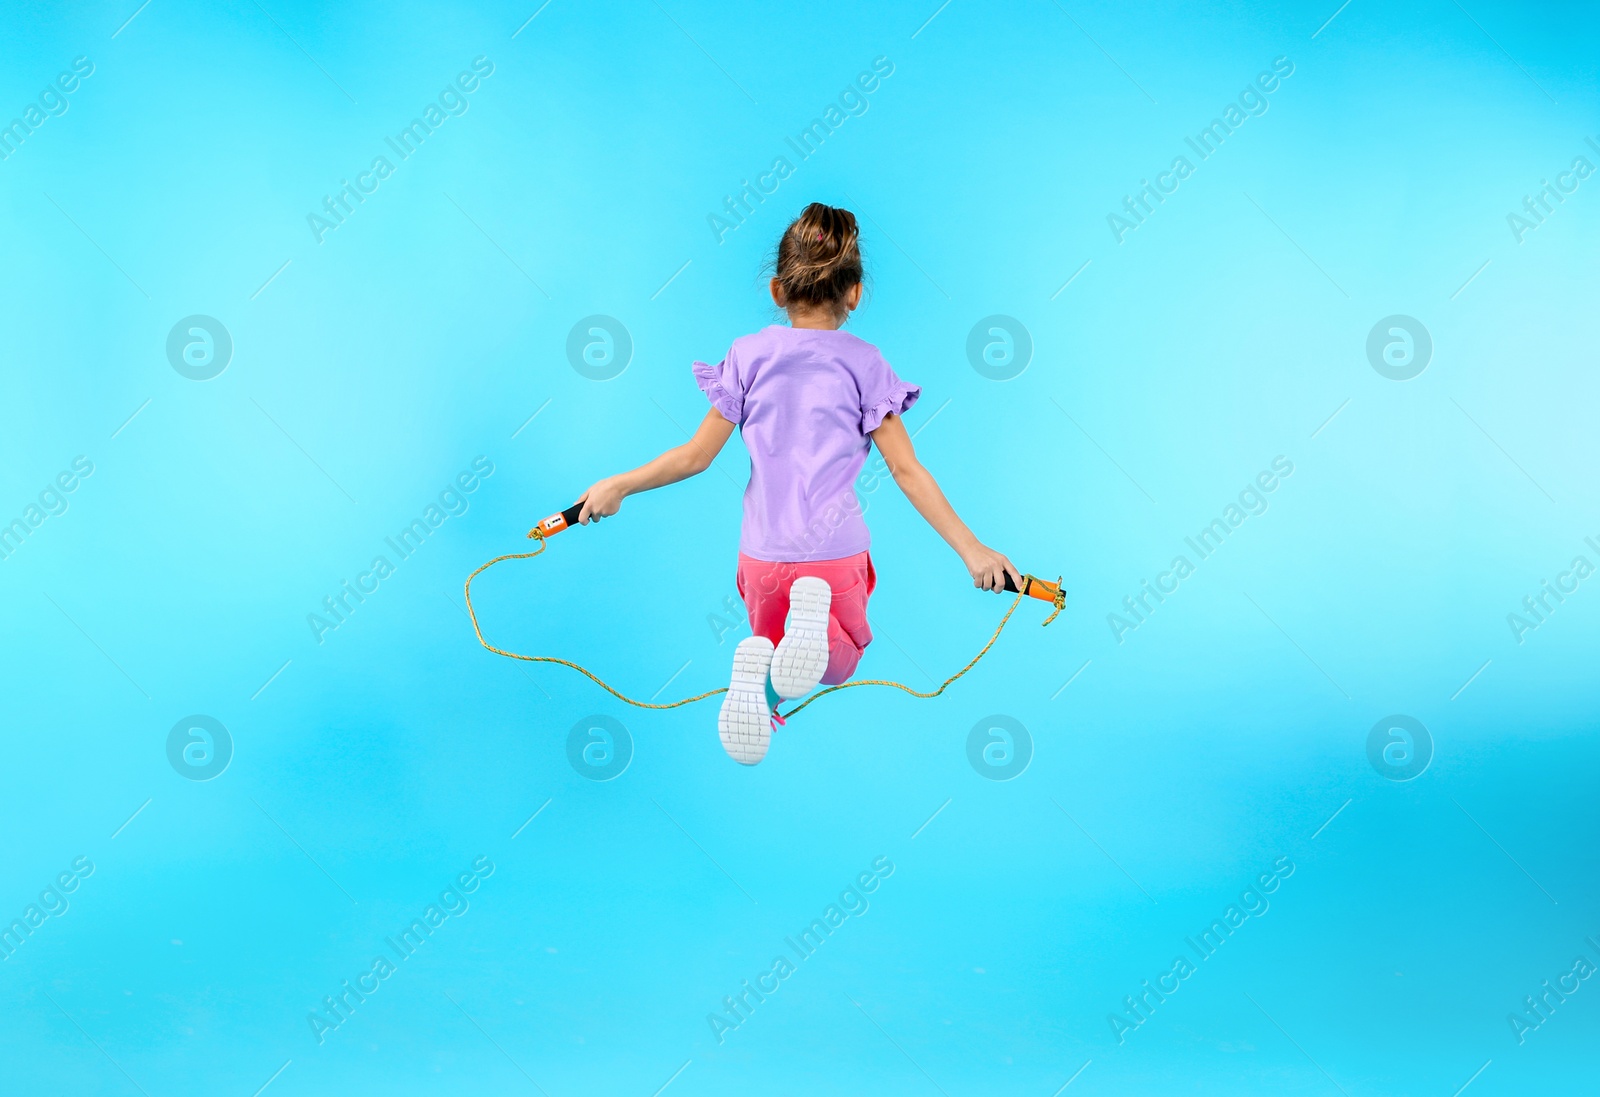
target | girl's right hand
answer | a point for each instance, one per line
(990, 568)
(602, 500)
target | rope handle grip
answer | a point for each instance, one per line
(1042, 589)
(554, 524)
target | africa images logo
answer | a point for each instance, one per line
(199, 747)
(738, 207)
(739, 1007)
(53, 103)
(599, 347)
(999, 347)
(452, 102)
(199, 347)
(1137, 207)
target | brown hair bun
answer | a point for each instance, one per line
(819, 257)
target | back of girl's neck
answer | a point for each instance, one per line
(814, 321)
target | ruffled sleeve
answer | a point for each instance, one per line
(721, 385)
(883, 394)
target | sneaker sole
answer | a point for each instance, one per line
(801, 657)
(745, 724)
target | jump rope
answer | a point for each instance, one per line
(1032, 587)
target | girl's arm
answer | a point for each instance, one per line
(988, 567)
(678, 463)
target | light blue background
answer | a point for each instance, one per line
(1218, 736)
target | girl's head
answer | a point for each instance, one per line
(818, 272)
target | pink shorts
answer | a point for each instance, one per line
(764, 586)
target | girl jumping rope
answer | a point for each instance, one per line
(806, 398)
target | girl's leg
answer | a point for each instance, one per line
(843, 654)
(764, 586)
(853, 581)
(801, 657)
(744, 722)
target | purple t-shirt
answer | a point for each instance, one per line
(805, 401)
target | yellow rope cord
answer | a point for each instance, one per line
(472, 613)
(550, 658)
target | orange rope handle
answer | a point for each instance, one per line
(476, 628)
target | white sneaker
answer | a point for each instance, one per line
(802, 655)
(745, 722)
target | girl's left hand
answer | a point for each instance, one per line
(601, 501)
(989, 569)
